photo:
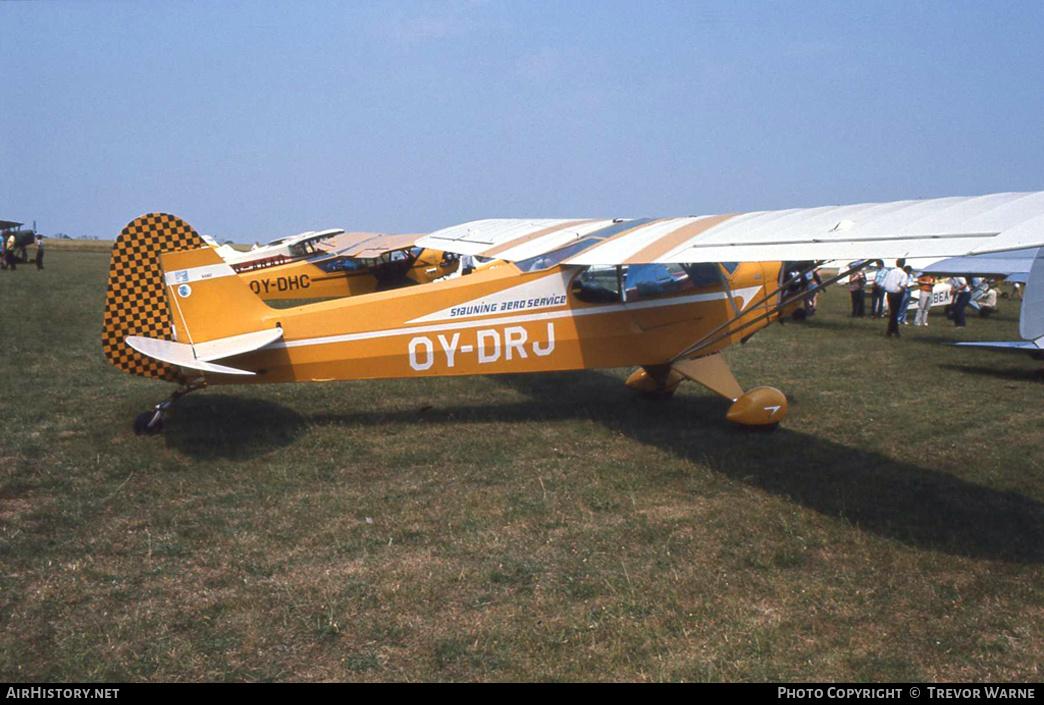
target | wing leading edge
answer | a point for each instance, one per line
(943, 227)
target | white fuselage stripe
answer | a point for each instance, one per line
(502, 320)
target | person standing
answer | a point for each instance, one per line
(812, 283)
(894, 286)
(9, 252)
(877, 292)
(907, 290)
(925, 285)
(961, 297)
(857, 288)
(39, 252)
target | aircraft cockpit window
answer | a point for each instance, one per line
(730, 267)
(597, 285)
(339, 264)
(646, 281)
(300, 249)
(393, 256)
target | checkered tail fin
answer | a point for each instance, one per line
(135, 301)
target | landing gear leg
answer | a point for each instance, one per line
(148, 423)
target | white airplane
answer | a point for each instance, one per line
(1031, 320)
(278, 251)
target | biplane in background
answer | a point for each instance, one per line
(22, 239)
(334, 264)
(666, 295)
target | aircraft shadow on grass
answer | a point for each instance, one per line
(225, 426)
(1012, 374)
(877, 493)
(1010, 365)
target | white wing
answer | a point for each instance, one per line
(480, 237)
(944, 227)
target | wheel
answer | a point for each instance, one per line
(142, 423)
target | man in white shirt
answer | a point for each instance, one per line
(895, 285)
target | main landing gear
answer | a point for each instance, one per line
(760, 408)
(149, 423)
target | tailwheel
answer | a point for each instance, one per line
(149, 423)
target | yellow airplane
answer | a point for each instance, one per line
(346, 264)
(664, 295)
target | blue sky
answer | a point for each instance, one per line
(254, 120)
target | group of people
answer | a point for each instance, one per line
(14, 254)
(896, 284)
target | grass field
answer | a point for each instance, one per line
(72, 245)
(521, 528)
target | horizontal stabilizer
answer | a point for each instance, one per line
(1021, 345)
(236, 344)
(179, 354)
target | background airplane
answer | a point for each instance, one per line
(22, 238)
(343, 264)
(1031, 318)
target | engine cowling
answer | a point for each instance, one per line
(761, 406)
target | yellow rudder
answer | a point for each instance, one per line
(208, 300)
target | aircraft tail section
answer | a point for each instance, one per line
(207, 298)
(173, 303)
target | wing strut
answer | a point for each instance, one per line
(724, 331)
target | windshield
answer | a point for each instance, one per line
(645, 281)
